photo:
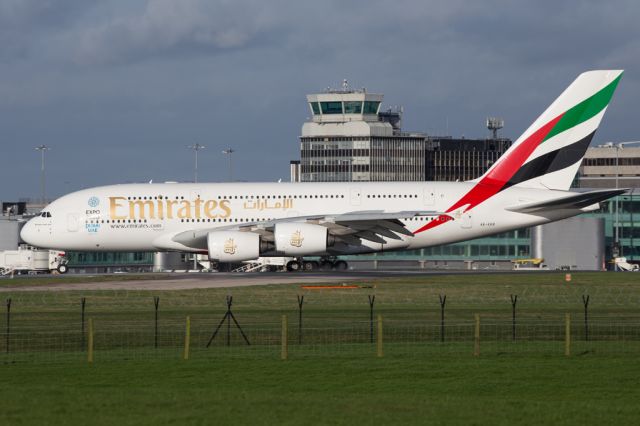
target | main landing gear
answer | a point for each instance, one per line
(325, 264)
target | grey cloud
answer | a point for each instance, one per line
(126, 84)
(27, 25)
(167, 26)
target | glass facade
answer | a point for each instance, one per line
(362, 158)
(331, 107)
(353, 107)
(371, 107)
(608, 161)
(627, 224)
(450, 160)
(83, 258)
(501, 247)
(346, 107)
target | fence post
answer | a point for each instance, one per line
(379, 342)
(83, 302)
(90, 344)
(284, 349)
(514, 301)
(300, 302)
(8, 322)
(156, 302)
(229, 301)
(476, 335)
(372, 299)
(585, 301)
(567, 334)
(443, 300)
(187, 339)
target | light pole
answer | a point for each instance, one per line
(196, 147)
(228, 152)
(43, 194)
(617, 229)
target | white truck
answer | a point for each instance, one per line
(30, 260)
(621, 264)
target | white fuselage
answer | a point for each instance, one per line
(145, 217)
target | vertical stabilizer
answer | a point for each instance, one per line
(549, 153)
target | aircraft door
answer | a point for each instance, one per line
(73, 222)
(355, 196)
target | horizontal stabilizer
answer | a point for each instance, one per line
(576, 201)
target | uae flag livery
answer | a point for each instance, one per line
(549, 153)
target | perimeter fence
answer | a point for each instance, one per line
(99, 329)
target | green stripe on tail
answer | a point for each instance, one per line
(585, 109)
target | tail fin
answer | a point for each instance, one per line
(549, 153)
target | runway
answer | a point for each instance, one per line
(193, 281)
(187, 281)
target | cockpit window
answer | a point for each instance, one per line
(45, 214)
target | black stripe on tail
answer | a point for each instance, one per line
(551, 161)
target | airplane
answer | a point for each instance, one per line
(234, 222)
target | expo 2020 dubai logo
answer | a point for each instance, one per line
(93, 202)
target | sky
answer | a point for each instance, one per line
(119, 88)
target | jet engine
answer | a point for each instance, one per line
(299, 239)
(233, 246)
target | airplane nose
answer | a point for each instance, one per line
(28, 234)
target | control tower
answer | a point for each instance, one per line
(347, 138)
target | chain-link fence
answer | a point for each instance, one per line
(64, 336)
(421, 316)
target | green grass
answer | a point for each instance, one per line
(334, 377)
(47, 322)
(342, 390)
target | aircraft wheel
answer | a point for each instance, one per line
(325, 265)
(63, 269)
(311, 266)
(341, 265)
(294, 266)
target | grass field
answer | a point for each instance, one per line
(342, 390)
(335, 376)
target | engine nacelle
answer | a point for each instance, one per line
(233, 246)
(299, 239)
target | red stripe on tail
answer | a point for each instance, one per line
(506, 167)
(496, 179)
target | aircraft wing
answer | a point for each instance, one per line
(350, 228)
(575, 201)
